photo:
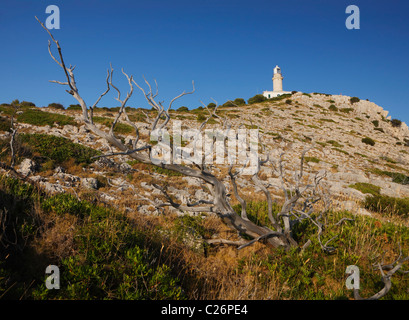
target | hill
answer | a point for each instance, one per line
(363, 152)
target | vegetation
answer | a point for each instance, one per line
(43, 118)
(354, 100)
(332, 107)
(257, 99)
(387, 205)
(57, 149)
(368, 141)
(396, 123)
(120, 127)
(112, 260)
(57, 106)
(366, 188)
(396, 176)
(102, 254)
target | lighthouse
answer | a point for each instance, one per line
(277, 85)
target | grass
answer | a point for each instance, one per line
(397, 177)
(366, 188)
(312, 159)
(43, 118)
(57, 149)
(387, 205)
(104, 254)
(120, 128)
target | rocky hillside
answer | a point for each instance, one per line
(356, 143)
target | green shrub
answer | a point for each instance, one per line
(257, 99)
(366, 188)
(312, 159)
(182, 109)
(354, 100)
(396, 123)
(368, 140)
(5, 124)
(379, 129)
(335, 143)
(74, 107)
(332, 107)
(58, 149)
(387, 205)
(43, 118)
(375, 123)
(346, 110)
(239, 101)
(211, 105)
(288, 101)
(120, 127)
(57, 106)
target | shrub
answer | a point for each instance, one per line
(4, 124)
(257, 99)
(43, 118)
(396, 123)
(58, 149)
(366, 188)
(375, 123)
(387, 205)
(335, 143)
(288, 101)
(119, 127)
(74, 107)
(55, 105)
(368, 140)
(312, 159)
(239, 101)
(27, 104)
(332, 107)
(182, 109)
(379, 129)
(354, 100)
(346, 110)
(211, 105)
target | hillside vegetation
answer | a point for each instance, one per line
(89, 215)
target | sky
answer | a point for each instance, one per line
(229, 48)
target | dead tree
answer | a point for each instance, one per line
(299, 198)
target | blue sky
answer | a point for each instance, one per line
(229, 48)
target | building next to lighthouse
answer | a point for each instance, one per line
(277, 85)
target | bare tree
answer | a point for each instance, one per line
(300, 197)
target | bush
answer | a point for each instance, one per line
(396, 123)
(366, 188)
(375, 123)
(369, 141)
(74, 107)
(288, 101)
(332, 107)
(55, 105)
(211, 105)
(387, 205)
(182, 109)
(239, 101)
(121, 128)
(58, 149)
(354, 100)
(257, 99)
(43, 118)
(4, 124)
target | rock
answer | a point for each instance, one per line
(53, 187)
(90, 183)
(28, 167)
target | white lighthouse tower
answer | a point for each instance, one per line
(277, 85)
